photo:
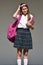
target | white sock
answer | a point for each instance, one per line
(19, 61)
(25, 61)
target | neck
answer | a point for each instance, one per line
(24, 14)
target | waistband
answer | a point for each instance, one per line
(23, 28)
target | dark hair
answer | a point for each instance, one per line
(28, 12)
(22, 3)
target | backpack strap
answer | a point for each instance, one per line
(31, 19)
(18, 19)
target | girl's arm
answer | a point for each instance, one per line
(30, 25)
(31, 22)
(17, 11)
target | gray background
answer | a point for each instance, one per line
(7, 51)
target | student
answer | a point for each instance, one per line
(23, 40)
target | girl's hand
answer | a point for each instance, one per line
(19, 7)
(30, 25)
(17, 11)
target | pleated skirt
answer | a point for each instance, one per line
(23, 39)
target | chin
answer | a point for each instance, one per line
(24, 13)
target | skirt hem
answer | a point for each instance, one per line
(23, 47)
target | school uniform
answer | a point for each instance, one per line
(23, 39)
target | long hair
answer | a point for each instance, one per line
(21, 6)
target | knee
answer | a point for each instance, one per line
(25, 52)
(19, 52)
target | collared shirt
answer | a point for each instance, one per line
(23, 21)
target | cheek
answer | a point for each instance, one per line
(22, 10)
(26, 10)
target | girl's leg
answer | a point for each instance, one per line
(19, 54)
(25, 55)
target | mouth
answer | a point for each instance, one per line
(25, 12)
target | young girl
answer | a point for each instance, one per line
(23, 40)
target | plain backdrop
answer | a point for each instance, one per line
(7, 51)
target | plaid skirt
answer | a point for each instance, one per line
(23, 39)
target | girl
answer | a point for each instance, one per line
(23, 40)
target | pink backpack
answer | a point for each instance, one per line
(12, 30)
(11, 34)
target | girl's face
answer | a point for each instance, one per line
(24, 10)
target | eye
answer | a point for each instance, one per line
(24, 8)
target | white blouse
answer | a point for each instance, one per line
(23, 21)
